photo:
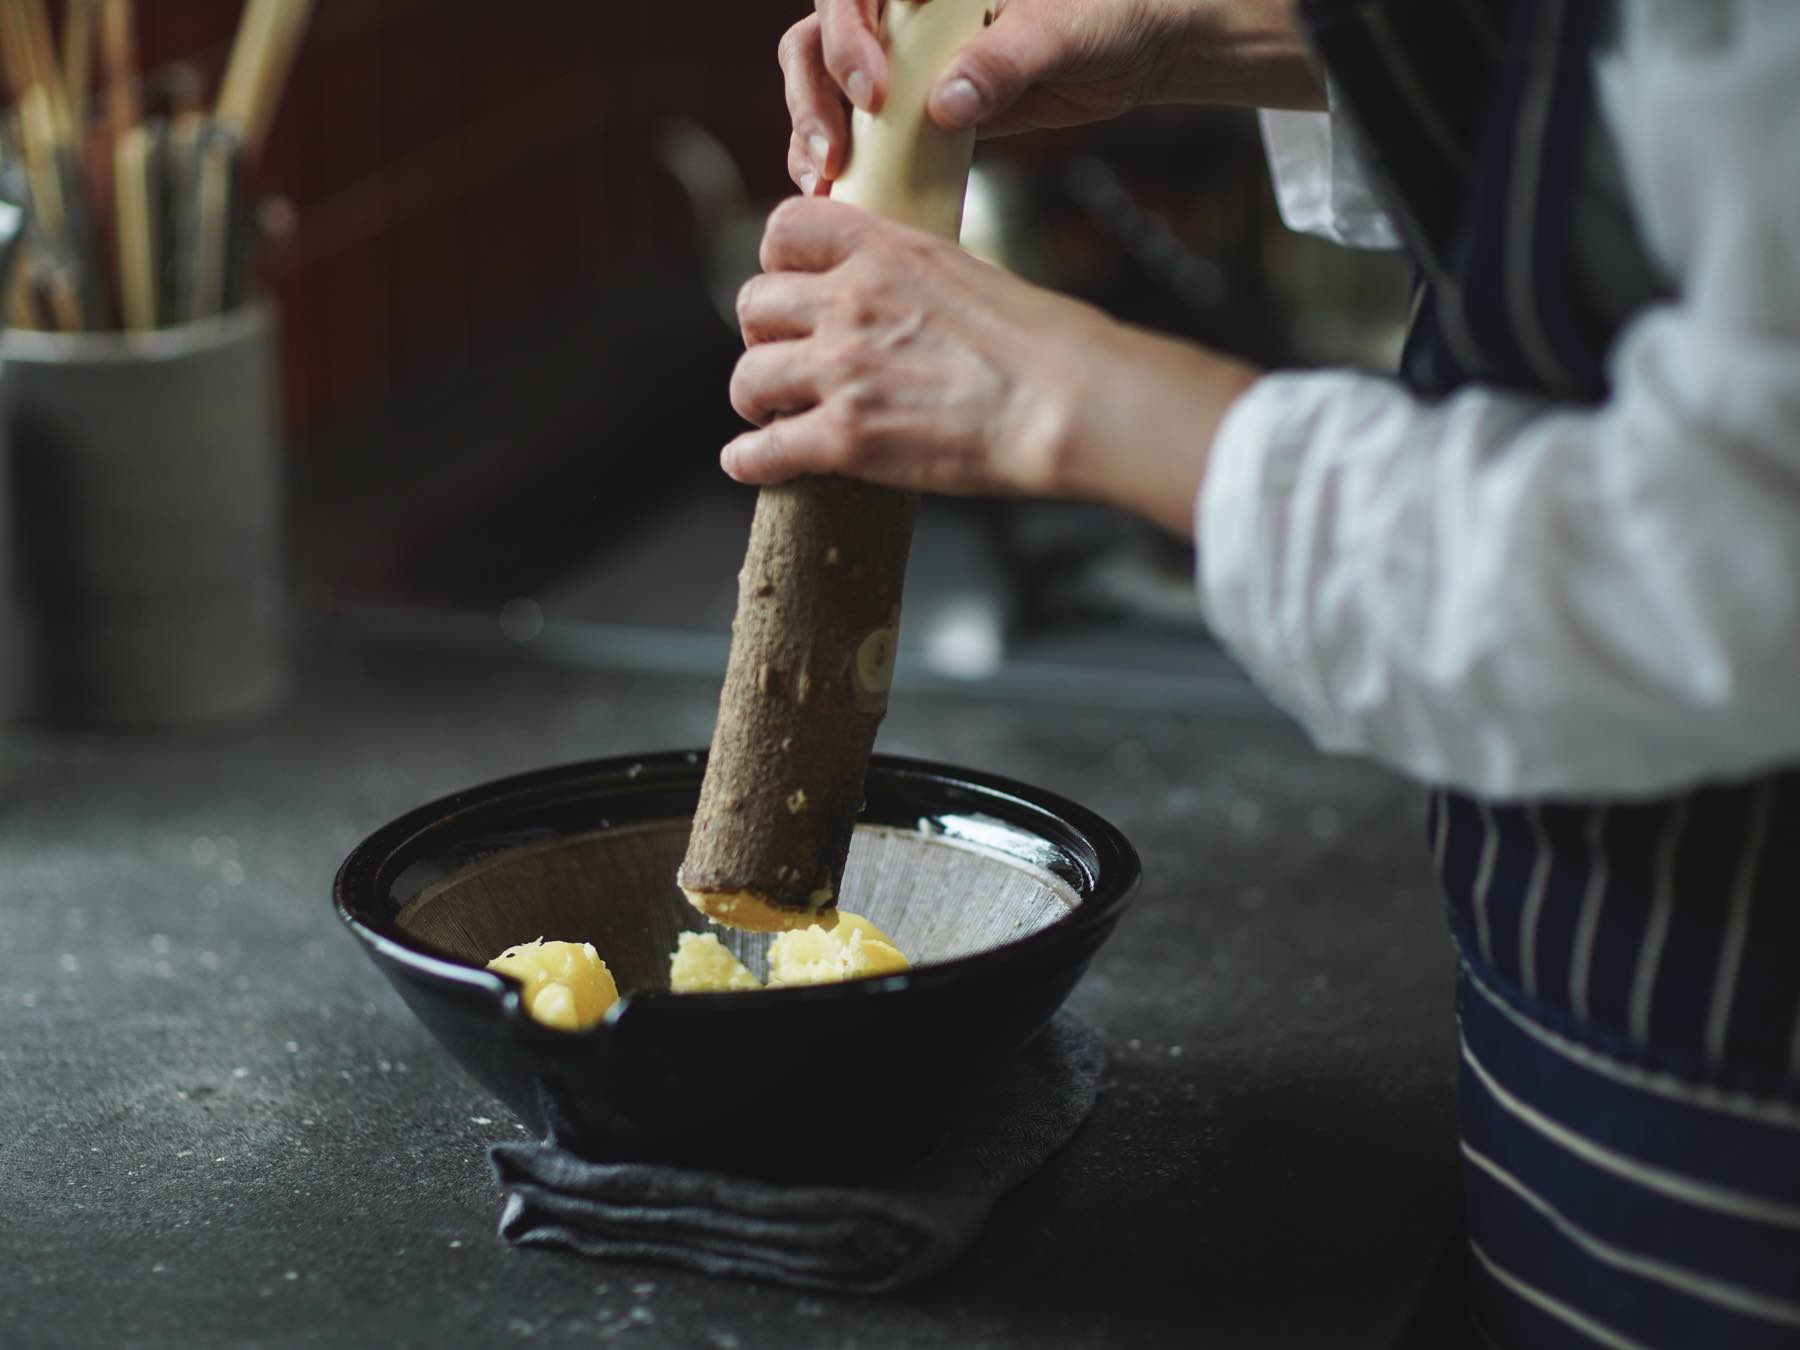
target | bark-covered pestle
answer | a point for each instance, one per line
(818, 614)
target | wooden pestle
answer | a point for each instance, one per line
(818, 616)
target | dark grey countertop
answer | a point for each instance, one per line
(219, 1127)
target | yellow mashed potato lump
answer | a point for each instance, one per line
(567, 985)
(854, 948)
(703, 965)
(850, 950)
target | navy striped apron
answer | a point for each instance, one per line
(1629, 983)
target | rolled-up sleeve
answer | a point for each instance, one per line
(1521, 599)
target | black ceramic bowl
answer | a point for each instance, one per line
(999, 893)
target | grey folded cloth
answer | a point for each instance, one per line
(868, 1237)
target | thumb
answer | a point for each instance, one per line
(991, 73)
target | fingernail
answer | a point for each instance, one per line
(808, 181)
(860, 89)
(957, 102)
(821, 149)
(731, 458)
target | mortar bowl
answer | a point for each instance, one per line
(999, 893)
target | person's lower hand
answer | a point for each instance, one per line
(1044, 64)
(884, 353)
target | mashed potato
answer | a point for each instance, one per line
(703, 965)
(855, 948)
(567, 985)
(851, 949)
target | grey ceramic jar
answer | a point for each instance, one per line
(148, 504)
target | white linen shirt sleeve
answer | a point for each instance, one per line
(1523, 600)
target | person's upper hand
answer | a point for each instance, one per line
(1044, 64)
(880, 352)
(1040, 64)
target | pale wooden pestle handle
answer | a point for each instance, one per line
(902, 165)
(818, 615)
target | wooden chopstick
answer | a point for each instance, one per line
(262, 55)
(37, 135)
(295, 14)
(80, 246)
(118, 66)
(15, 50)
(55, 173)
(138, 195)
(244, 71)
(79, 19)
(44, 67)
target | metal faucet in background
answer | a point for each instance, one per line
(727, 223)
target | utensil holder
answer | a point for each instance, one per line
(148, 510)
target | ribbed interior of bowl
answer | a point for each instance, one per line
(939, 896)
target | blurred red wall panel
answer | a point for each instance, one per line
(456, 162)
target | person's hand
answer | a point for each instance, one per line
(1044, 64)
(884, 353)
